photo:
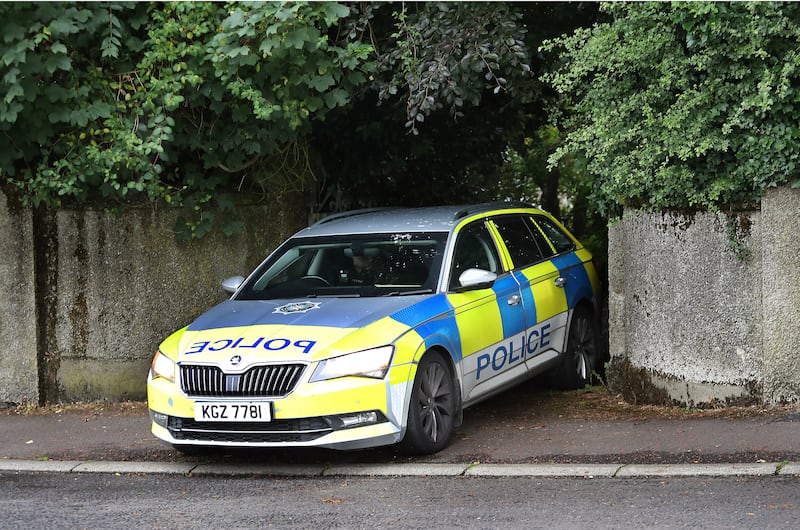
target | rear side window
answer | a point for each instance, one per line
(521, 240)
(561, 242)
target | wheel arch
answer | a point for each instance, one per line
(455, 374)
(587, 305)
(421, 436)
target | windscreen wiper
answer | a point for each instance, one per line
(409, 293)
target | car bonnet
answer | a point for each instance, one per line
(280, 330)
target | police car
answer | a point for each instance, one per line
(380, 326)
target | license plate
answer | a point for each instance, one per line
(233, 411)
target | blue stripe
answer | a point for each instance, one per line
(527, 298)
(413, 316)
(578, 285)
(434, 320)
(513, 317)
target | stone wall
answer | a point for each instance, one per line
(694, 321)
(89, 296)
(19, 367)
(92, 294)
(780, 214)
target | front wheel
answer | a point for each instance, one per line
(431, 411)
(580, 359)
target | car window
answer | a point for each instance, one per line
(373, 265)
(521, 240)
(561, 242)
(475, 249)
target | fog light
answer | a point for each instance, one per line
(357, 420)
(159, 419)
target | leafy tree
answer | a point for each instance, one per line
(449, 93)
(527, 175)
(562, 188)
(59, 108)
(683, 104)
(181, 102)
(166, 101)
(444, 55)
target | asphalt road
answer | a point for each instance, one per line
(518, 428)
(124, 501)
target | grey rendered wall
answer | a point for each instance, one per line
(121, 285)
(691, 323)
(89, 296)
(780, 212)
(18, 355)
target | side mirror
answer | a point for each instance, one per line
(476, 279)
(232, 284)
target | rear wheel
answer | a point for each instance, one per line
(581, 358)
(431, 412)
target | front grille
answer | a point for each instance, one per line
(258, 381)
(278, 431)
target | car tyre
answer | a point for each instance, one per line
(579, 362)
(431, 411)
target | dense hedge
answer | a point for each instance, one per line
(681, 105)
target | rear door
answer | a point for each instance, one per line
(576, 271)
(541, 286)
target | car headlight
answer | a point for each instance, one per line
(366, 363)
(162, 366)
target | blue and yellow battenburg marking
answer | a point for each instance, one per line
(493, 335)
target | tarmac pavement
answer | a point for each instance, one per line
(523, 432)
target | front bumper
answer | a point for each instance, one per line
(346, 413)
(302, 432)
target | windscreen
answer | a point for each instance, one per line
(373, 265)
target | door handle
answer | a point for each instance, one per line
(560, 282)
(514, 300)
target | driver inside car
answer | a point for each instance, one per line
(365, 268)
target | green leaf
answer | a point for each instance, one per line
(58, 62)
(11, 76)
(336, 98)
(321, 83)
(235, 20)
(237, 51)
(13, 91)
(63, 26)
(333, 11)
(17, 54)
(231, 225)
(9, 113)
(297, 39)
(79, 117)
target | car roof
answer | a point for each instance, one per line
(423, 219)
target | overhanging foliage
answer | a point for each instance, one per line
(180, 102)
(684, 104)
(164, 101)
